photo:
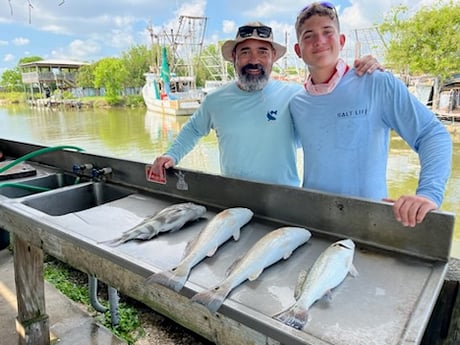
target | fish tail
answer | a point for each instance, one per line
(295, 317)
(174, 279)
(212, 299)
(113, 242)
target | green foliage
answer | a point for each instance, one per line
(85, 76)
(28, 59)
(58, 274)
(136, 61)
(12, 97)
(129, 326)
(74, 284)
(12, 80)
(426, 43)
(111, 74)
(134, 101)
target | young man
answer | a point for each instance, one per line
(250, 116)
(344, 123)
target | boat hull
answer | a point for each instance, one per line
(182, 107)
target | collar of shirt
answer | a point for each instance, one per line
(325, 88)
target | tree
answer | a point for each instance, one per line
(428, 42)
(110, 73)
(136, 61)
(12, 80)
(85, 76)
(28, 59)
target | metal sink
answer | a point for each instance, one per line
(75, 199)
(18, 189)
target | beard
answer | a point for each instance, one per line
(250, 82)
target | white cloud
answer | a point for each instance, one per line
(229, 27)
(77, 50)
(21, 41)
(194, 8)
(8, 58)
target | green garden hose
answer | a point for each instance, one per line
(24, 186)
(37, 153)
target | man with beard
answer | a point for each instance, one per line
(250, 116)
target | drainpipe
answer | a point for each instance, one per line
(113, 300)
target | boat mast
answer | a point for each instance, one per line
(186, 45)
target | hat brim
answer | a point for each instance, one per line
(229, 46)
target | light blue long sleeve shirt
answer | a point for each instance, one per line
(254, 131)
(345, 136)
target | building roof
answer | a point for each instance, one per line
(54, 64)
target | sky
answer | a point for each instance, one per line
(84, 30)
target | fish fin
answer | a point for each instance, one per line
(174, 279)
(115, 241)
(232, 266)
(255, 275)
(328, 295)
(211, 299)
(300, 281)
(189, 247)
(236, 234)
(110, 243)
(353, 271)
(295, 317)
(287, 255)
(212, 251)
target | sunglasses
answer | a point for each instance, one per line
(248, 31)
(324, 4)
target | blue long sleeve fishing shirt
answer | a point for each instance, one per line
(345, 137)
(254, 131)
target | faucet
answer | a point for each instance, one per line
(80, 168)
(100, 174)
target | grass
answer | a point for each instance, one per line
(74, 284)
(130, 101)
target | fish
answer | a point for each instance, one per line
(171, 219)
(274, 246)
(327, 272)
(221, 227)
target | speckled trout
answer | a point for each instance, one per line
(327, 272)
(274, 246)
(171, 219)
(222, 227)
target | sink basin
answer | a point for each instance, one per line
(18, 189)
(60, 202)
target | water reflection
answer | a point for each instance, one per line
(141, 136)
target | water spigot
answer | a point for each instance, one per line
(100, 173)
(80, 168)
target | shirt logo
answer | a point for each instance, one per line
(271, 115)
(353, 113)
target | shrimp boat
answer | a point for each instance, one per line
(171, 88)
(184, 101)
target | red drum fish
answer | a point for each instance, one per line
(222, 227)
(327, 272)
(171, 219)
(274, 246)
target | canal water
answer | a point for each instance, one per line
(140, 135)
